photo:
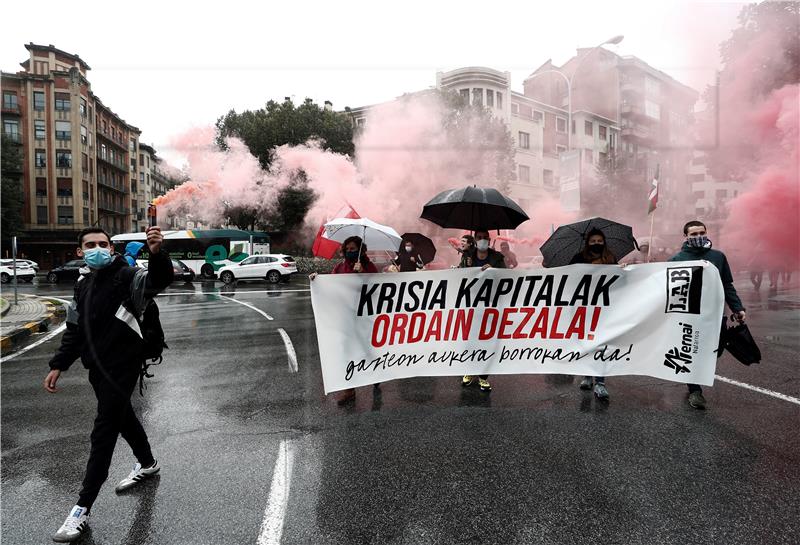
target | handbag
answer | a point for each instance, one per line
(741, 345)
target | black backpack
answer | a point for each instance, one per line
(154, 341)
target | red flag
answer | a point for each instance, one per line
(324, 247)
(653, 197)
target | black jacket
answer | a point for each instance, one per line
(495, 259)
(718, 259)
(101, 327)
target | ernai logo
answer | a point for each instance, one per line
(680, 357)
(684, 289)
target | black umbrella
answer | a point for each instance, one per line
(473, 208)
(568, 240)
(423, 246)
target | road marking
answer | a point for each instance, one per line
(275, 512)
(222, 292)
(760, 390)
(248, 305)
(289, 350)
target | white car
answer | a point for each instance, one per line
(32, 264)
(272, 267)
(24, 271)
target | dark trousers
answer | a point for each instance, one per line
(115, 417)
(720, 349)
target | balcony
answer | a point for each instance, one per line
(636, 132)
(64, 172)
(634, 87)
(41, 170)
(85, 175)
(11, 109)
(63, 115)
(120, 165)
(631, 110)
(64, 200)
(15, 137)
(105, 182)
(41, 200)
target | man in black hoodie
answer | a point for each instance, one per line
(697, 246)
(103, 329)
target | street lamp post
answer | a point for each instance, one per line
(615, 40)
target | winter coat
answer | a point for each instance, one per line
(718, 259)
(102, 319)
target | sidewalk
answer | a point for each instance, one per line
(32, 315)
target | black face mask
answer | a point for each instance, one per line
(596, 248)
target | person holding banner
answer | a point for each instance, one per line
(485, 258)
(355, 261)
(595, 252)
(697, 246)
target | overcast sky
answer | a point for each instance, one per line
(168, 66)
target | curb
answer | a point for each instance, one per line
(6, 306)
(55, 313)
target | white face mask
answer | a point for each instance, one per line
(409, 248)
(482, 245)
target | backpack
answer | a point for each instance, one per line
(154, 341)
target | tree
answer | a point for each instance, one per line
(11, 196)
(619, 186)
(284, 123)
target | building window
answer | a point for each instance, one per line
(561, 149)
(612, 140)
(65, 215)
(141, 177)
(524, 140)
(147, 160)
(490, 98)
(524, 174)
(588, 156)
(602, 130)
(11, 129)
(603, 158)
(63, 158)
(148, 179)
(41, 187)
(41, 215)
(465, 95)
(85, 162)
(588, 128)
(573, 126)
(652, 87)
(10, 101)
(141, 159)
(41, 158)
(63, 130)
(652, 110)
(38, 101)
(547, 178)
(561, 125)
(39, 130)
(721, 193)
(84, 136)
(538, 116)
(82, 107)
(62, 102)
(133, 145)
(477, 96)
(498, 96)
(103, 152)
(64, 187)
(86, 216)
(514, 108)
(525, 111)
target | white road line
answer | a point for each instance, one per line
(275, 512)
(289, 350)
(221, 293)
(760, 390)
(44, 339)
(248, 305)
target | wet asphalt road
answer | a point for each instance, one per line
(420, 461)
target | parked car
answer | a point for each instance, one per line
(272, 267)
(68, 272)
(24, 271)
(30, 263)
(180, 270)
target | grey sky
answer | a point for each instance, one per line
(168, 66)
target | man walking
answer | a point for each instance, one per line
(103, 329)
(697, 246)
(484, 257)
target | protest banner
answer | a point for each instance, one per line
(660, 319)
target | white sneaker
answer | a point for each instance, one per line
(138, 474)
(76, 524)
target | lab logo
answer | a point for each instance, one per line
(684, 289)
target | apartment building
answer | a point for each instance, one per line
(75, 153)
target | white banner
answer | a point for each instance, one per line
(659, 319)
